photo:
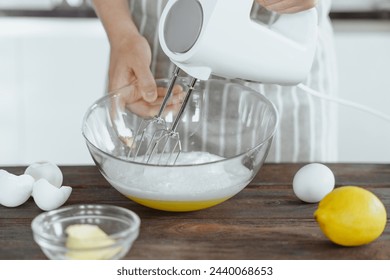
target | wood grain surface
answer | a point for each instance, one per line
(264, 221)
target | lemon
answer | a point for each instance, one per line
(351, 216)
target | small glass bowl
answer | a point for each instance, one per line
(121, 226)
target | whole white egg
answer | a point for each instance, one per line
(313, 182)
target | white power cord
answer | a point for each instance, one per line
(360, 107)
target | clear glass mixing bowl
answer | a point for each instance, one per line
(226, 131)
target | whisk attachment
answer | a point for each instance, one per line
(164, 148)
(157, 123)
(165, 145)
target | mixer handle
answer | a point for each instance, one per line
(300, 27)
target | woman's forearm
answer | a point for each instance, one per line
(116, 19)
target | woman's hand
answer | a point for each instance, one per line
(287, 6)
(129, 65)
(133, 100)
(130, 59)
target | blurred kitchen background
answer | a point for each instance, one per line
(53, 63)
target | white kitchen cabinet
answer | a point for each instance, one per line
(10, 118)
(359, 5)
(51, 70)
(363, 54)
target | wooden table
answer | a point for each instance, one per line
(264, 221)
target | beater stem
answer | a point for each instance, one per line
(183, 106)
(169, 91)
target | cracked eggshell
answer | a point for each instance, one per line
(45, 170)
(15, 190)
(48, 197)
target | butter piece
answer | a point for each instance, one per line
(85, 241)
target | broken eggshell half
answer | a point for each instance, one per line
(48, 197)
(15, 190)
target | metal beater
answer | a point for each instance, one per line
(165, 146)
(155, 125)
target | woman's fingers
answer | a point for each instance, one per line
(146, 110)
(287, 6)
(137, 105)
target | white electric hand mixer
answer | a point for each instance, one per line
(218, 37)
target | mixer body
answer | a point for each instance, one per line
(205, 37)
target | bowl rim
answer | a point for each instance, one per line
(117, 93)
(36, 223)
